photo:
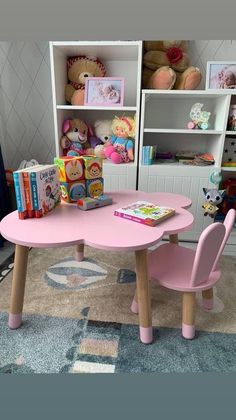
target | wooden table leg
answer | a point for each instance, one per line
(134, 305)
(174, 239)
(79, 252)
(208, 299)
(18, 286)
(144, 303)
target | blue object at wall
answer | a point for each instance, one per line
(5, 206)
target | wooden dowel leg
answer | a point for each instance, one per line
(174, 239)
(208, 299)
(188, 320)
(79, 252)
(18, 286)
(144, 303)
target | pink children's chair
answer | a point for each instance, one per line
(188, 271)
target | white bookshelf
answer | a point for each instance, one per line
(163, 122)
(121, 59)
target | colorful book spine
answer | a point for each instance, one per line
(28, 194)
(147, 155)
(34, 191)
(20, 195)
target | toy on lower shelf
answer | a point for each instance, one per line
(88, 203)
(199, 118)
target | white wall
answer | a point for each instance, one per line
(26, 119)
(202, 51)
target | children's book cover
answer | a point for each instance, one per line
(46, 190)
(144, 212)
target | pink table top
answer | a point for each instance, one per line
(99, 228)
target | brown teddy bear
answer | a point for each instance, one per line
(166, 65)
(78, 69)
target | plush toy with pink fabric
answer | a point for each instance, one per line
(74, 141)
(121, 147)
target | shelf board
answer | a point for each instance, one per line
(230, 133)
(97, 108)
(178, 93)
(178, 164)
(181, 131)
(228, 168)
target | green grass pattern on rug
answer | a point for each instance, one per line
(52, 345)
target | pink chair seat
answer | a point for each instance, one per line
(171, 266)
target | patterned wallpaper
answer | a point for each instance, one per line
(26, 118)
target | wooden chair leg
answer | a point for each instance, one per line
(188, 320)
(207, 299)
(174, 239)
(144, 303)
(18, 286)
(79, 252)
(134, 306)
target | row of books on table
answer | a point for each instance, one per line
(37, 190)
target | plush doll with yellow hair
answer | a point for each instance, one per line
(121, 148)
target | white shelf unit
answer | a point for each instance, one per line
(164, 118)
(121, 59)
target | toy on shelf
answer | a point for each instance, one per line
(166, 65)
(213, 198)
(232, 118)
(121, 148)
(199, 118)
(230, 195)
(78, 69)
(89, 203)
(74, 141)
(103, 131)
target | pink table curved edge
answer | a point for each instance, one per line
(67, 226)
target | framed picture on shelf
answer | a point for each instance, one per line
(221, 75)
(104, 91)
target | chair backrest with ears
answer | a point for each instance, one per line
(207, 251)
(228, 223)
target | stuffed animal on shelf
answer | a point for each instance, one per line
(213, 197)
(199, 118)
(103, 131)
(74, 141)
(78, 69)
(166, 65)
(121, 147)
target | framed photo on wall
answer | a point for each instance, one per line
(104, 91)
(221, 75)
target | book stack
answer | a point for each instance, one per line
(144, 212)
(37, 190)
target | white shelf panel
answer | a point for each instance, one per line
(181, 131)
(228, 168)
(230, 133)
(107, 164)
(97, 108)
(179, 165)
(183, 93)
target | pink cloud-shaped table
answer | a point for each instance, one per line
(98, 228)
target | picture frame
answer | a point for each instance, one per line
(221, 75)
(104, 91)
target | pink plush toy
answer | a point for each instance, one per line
(121, 143)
